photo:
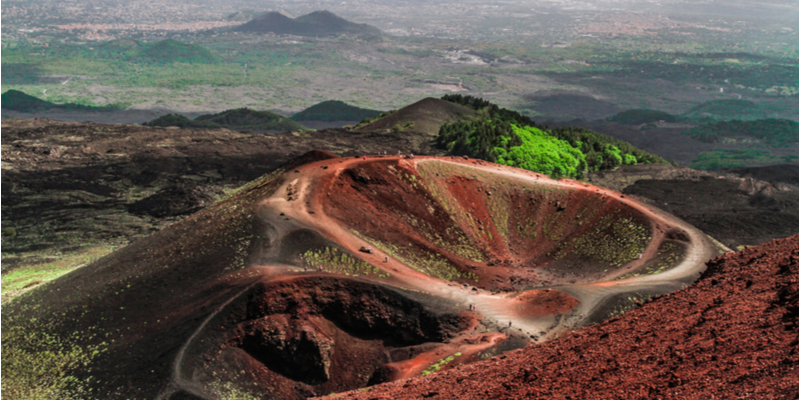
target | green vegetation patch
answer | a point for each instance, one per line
(333, 261)
(642, 116)
(16, 281)
(39, 365)
(772, 132)
(367, 121)
(542, 153)
(719, 158)
(669, 254)
(20, 74)
(439, 364)
(334, 110)
(426, 262)
(173, 51)
(507, 137)
(614, 239)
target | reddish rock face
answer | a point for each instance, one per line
(733, 334)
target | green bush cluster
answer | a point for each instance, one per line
(332, 260)
(439, 364)
(507, 137)
(542, 153)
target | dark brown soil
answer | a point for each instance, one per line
(68, 185)
(777, 173)
(295, 338)
(734, 210)
(733, 334)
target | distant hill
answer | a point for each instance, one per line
(243, 16)
(15, 100)
(642, 116)
(425, 116)
(169, 51)
(317, 23)
(121, 46)
(245, 118)
(334, 110)
(238, 119)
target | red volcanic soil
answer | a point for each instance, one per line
(455, 222)
(537, 303)
(296, 337)
(732, 334)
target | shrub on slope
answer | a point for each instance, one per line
(499, 128)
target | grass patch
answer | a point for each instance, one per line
(39, 365)
(439, 364)
(614, 240)
(16, 281)
(420, 260)
(669, 254)
(332, 260)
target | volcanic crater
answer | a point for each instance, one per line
(332, 274)
(384, 268)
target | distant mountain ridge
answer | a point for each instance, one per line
(317, 23)
(237, 119)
